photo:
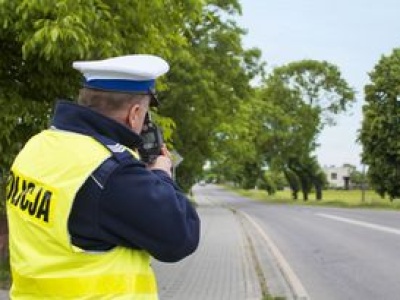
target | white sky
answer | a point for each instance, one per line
(352, 34)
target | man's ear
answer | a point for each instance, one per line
(133, 115)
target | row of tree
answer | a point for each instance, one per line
(280, 125)
(210, 112)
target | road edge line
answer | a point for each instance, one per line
(293, 281)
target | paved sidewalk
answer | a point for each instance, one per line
(221, 269)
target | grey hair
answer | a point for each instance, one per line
(107, 102)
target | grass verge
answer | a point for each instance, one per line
(333, 198)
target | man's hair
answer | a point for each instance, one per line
(107, 102)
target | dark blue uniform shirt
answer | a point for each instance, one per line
(137, 208)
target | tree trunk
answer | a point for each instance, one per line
(318, 191)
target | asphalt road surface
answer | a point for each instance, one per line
(337, 254)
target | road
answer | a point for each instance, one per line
(335, 253)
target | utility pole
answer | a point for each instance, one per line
(363, 184)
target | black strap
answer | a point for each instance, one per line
(89, 195)
(118, 154)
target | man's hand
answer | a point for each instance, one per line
(163, 162)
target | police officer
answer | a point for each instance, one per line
(85, 213)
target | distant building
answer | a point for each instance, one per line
(338, 177)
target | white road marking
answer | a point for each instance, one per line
(361, 223)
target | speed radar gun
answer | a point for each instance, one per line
(152, 141)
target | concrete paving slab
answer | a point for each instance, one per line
(221, 269)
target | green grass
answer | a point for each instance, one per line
(268, 297)
(335, 198)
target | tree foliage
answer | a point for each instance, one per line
(272, 181)
(380, 130)
(237, 155)
(210, 70)
(207, 86)
(299, 99)
(40, 39)
(209, 110)
(320, 85)
(279, 125)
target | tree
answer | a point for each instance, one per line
(284, 118)
(207, 86)
(272, 181)
(289, 125)
(320, 85)
(358, 178)
(380, 129)
(237, 157)
(310, 175)
(304, 97)
(293, 181)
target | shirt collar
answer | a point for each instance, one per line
(80, 119)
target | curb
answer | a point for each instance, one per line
(294, 283)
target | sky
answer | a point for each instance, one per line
(351, 34)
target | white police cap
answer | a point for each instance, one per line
(126, 74)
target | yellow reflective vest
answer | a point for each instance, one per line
(44, 180)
